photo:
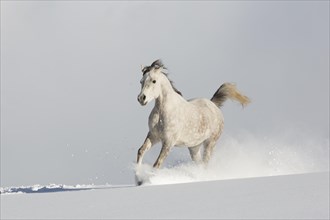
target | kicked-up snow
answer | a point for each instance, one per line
(244, 157)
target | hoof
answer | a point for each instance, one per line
(138, 181)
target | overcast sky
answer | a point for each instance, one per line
(70, 75)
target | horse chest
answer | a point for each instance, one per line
(163, 125)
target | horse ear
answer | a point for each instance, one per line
(157, 64)
(142, 67)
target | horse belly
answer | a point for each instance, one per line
(206, 122)
(191, 142)
(195, 133)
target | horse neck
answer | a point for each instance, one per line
(168, 97)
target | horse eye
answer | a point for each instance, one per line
(153, 81)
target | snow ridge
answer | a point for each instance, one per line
(48, 188)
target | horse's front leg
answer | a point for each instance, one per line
(163, 154)
(148, 143)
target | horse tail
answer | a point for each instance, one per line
(229, 90)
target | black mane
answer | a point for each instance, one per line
(172, 84)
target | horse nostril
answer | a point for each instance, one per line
(141, 98)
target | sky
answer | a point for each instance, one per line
(70, 75)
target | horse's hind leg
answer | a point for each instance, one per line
(209, 145)
(195, 153)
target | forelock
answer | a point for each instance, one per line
(144, 77)
(146, 70)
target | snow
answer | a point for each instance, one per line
(248, 178)
(244, 157)
(299, 196)
(49, 188)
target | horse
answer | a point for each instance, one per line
(175, 121)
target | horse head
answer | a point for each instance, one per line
(150, 82)
(152, 79)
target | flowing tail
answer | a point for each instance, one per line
(229, 90)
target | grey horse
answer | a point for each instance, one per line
(175, 121)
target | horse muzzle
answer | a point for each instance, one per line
(142, 99)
